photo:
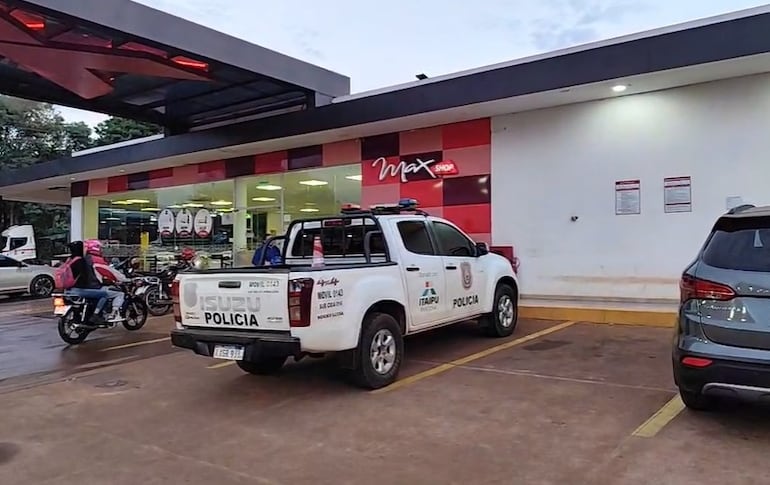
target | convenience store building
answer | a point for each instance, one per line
(602, 165)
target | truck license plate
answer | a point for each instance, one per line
(228, 352)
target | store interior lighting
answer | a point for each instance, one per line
(357, 178)
(313, 183)
(263, 199)
(309, 209)
(192, 205)
(269, 187)
(149, 209)
(221, 203)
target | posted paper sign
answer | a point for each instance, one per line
(677, 194)
(203, 223)
(166, 222)
(628, 197)
(184, 223)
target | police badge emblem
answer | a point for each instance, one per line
(467, 275)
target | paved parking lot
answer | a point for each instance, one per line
(556, 403)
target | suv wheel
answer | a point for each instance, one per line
(380, 352)
(696, 401)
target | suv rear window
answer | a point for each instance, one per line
(740, 243)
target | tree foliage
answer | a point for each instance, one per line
(115, 130)
(32, 132)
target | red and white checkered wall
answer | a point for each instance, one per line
(464, 197)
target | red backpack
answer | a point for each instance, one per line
(63, 277)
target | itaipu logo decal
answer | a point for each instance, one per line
(429, 298)
(467, 275)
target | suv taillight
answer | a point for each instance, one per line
(691, 288)
(300, 296)
(175, 301)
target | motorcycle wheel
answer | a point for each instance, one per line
(150, 297)
(67, 330)
(136, 314)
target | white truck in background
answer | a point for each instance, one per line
(387, 273)
(18, 242)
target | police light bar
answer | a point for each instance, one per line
(350, 208)
(408, 203)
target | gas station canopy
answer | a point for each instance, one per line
(125, 59)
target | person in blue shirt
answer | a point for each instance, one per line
(272, 257)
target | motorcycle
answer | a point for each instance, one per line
(156, 289)
(76, 313)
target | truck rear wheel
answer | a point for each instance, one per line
(380, 352)
(263, 365)
(505, 313)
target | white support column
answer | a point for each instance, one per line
(84, 218)
(76, 219)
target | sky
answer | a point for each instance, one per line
(378, 43)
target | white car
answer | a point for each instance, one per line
(18, 278)
(385, 273)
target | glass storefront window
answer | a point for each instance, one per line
(273, 201)
(125, 218)
(173, 218)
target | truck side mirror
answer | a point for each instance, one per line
(481, 249)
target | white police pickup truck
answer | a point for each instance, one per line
(384, 273)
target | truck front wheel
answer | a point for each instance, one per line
(380, 352)
(263, 365)
(502, 321)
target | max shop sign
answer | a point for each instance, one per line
(430, 167)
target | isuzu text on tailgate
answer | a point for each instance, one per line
(353, 285)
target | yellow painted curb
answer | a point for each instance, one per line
(645, 318)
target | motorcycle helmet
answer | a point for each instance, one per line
(187, 254)
(93, 247)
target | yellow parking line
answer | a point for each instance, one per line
(221, 364)
(137, 344)
(470, 358)
(660, 419)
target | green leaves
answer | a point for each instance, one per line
(33, 132)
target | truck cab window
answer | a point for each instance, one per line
(17, 242)
(416, 238)
(451, 241)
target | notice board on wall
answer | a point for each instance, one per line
(628, 197)
(677, 194)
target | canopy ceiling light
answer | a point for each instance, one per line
(313, 183)
(355, 177)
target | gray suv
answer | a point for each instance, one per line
(722, 342)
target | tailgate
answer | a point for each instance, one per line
(235, 301)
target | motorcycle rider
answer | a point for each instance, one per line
(108, 276)
(87, 284)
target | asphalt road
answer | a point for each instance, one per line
(558, 402)
(32, 353)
